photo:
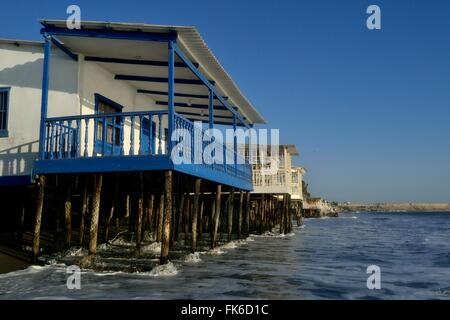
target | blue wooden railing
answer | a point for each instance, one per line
(133, 134)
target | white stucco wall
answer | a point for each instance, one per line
(73, 86)
(21, 70)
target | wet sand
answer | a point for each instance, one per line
(8, 264)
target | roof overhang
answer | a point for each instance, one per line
(142, 58)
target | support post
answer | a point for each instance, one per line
(211, 109)
(160, 218)
(149, 210)
(170, 94)
(247, 214)
(167, 219)
(140, 212)
(200, 218)
(216, 215)
(187, 209)
(241, 202)
(38, 218)
(84, 209)
(44, 97)
(98, 180)
(68, 215)
(230, 215)
(180, 216)
(198, 183)
(111, 210)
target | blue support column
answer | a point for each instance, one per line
(171, 94)
(211, 109)
(44, 97)
(235, 144)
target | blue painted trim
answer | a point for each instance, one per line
(235, 141)
(98, 97)
(64, 49)
(137, 163)
(4, 132)
(208, 173)
(100, 145)
(15, 180)
(44, 97)
(104, 164)
(211, 109)
(156, 79)
(182, 95)
(110, 34)
(136, 62)
(206, 82)
(171, 94)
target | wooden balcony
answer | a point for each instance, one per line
(134, 141)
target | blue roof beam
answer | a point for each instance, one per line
(156, 79)
(137, 62)
(192, 105)
(178, 94)
(64, 49)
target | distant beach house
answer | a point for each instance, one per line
(297, 174)
(272, 173)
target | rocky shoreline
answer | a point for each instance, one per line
(392, 207)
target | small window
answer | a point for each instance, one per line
(4, 100)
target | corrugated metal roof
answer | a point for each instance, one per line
(192, 43)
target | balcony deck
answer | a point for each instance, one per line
(136, 141)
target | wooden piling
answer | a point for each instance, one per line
(187, 209)
(195, 212)
(230, 215)
(216, 216)
(247, 214)
(68, 215)
(282, 205)
(240, 216)
(200, 218)
(84, 209)
(160, 218)
(98, 180)
(111, 209)
(127, 209)
(140, 213)
(38, 218)
(211, 217)
(149, 212)
(179, 216)
(167, 218)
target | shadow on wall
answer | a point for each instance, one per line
(18, 160)
(29, 75)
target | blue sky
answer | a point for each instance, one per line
(368, 110)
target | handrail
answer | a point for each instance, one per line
(124, 134)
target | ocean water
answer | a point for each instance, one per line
(325, 259)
